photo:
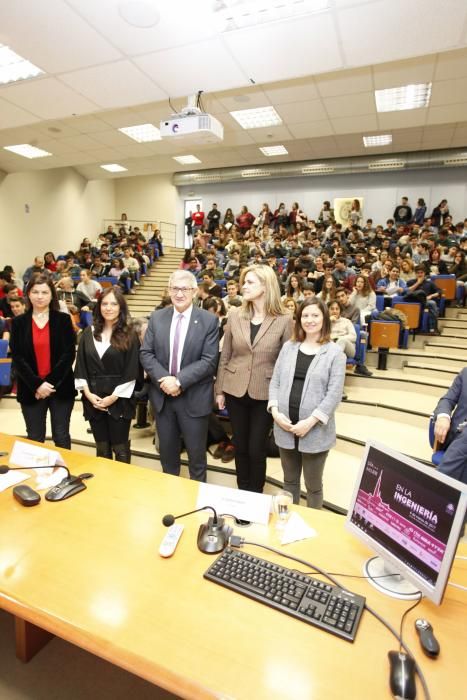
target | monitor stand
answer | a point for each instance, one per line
(393, 585)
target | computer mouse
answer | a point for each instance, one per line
(26, 495)
(402, 676)
(213, 538)
(65, 489)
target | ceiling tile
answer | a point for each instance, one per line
(417, 70)
(387, 31)
(447, 114)
(452, 64)
(12, 116)
(445, 92)
(53, 36)
(311, 129)
(361, 124)
(345, 82)
(350, 105)
(399, 120)
(248, 98)
(314, 48)
(299, 112)
(48, 98)
(114, 85)
(271, 134)
(299, 90)
(188, 69)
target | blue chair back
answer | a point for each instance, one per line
(3, 347)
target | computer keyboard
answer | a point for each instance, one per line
(320, 604)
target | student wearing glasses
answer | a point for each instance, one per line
(180, 353)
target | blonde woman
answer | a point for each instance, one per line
(253, 338)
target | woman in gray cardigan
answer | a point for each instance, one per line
(305, 390)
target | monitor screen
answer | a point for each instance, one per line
(410, 514)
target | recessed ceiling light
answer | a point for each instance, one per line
(381, 140)
(138, 13)
(389, 164)
(231, 15)
(274, 150)
(142, 132)
(27, 151)
(186, 160)
(14, 67)
(404, 97)
(255, 172)
(257, 118)
(317, 169)
(113, 168)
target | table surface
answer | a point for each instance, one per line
(88, 570)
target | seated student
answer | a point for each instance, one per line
(75, 300)
(10, 291)
(215, 290)
(91, 288)
(232, 294)
(120, 272)
(392, 285)
(233, 263)
(423, 289)
(342, 330)
(308, 290)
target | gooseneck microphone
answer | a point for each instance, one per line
(169, 519)
(4, 468)
(213, 536)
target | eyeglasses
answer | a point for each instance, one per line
(182, 290)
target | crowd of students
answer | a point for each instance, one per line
(287, 292)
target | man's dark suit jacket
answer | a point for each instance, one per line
(198, 364)
(62, 355)
(454, 400)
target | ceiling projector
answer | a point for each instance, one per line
(191, 125)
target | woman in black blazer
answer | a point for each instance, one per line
(42, 346)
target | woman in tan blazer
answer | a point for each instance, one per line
(253, 338)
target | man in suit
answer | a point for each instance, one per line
(179, 353)
(451, 428)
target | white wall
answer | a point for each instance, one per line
(381, 192)
(148, 198)
(63, 208)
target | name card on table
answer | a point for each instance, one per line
(244, 505)
(32, 456)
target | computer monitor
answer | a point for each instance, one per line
(412, 516)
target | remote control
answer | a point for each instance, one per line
(170, 541)
(428, 640)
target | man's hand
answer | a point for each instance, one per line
(169, 386)
(442, 426)
(220, 401)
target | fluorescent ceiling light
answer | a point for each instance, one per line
(257, 118)
(231, 15)
(142, 132)
(200, 178)
(317, 169)
(27, 151)
(274, 150)
(187, 160)
(404, 97)
(381, 140)
(113, 168)
(255, 172)
(389, 164)
(14, 67)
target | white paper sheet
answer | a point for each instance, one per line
(244, 505)
(30, 456)
(296, 529)
(11, 479)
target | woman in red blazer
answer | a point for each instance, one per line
(42, 346)
(253, 338)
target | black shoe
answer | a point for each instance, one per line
(344, 397)
(363, 371)
(219, 451)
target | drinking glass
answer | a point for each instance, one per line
(282, 502)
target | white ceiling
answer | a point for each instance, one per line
(318, 71)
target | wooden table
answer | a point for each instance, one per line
(88, 570)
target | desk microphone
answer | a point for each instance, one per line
(212, 536)
(68, 486)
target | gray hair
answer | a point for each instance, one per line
(180, 275)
